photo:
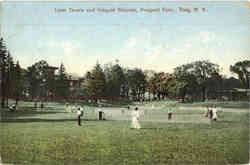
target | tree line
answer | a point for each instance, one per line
(191, 81)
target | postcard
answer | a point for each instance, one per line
(124, 82)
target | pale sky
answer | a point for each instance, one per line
(158, 41)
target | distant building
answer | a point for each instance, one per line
(51, 70)
(76, 86)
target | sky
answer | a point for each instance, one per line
(158, 41)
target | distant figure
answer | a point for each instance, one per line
(67, 108)
(12, 107)
(101, 113)
(74, 108)
(41, 105)
(128, 107)
(211, 113)
(141, 113)
(170, 113)
(142, 100)
(214, 114)
(82, 112)
(135, 119)
(79, 114)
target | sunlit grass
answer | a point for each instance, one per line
(44, 138)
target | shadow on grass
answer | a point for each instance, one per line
(114, 103)
(151, 128)
(30, 120)
(235, 104)
(18, 113)
(84, 124)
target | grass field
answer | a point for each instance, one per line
(52, 137)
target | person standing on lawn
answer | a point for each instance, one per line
(214, 113)
(67, 108)
(79, 114)
(135, 119)
(170, 113)
(211, 113)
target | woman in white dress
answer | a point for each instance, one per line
(67, 108)
(135, 119)
(214, 114)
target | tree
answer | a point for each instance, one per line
(215, 85)
(86, 85)
(196, 74)
(241, 68)
(137, 83)
(96, 82)
(36, 75)
(115, 80)
(10, 77)
(186, 84)
(62, 85)
(230, 83)
(159, 84)
(3, 62)
(203, 70)
(152, 84)
(41, 78)
(18, 80)
(149, 75)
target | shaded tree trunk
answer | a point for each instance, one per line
(17, 99)
(3, 87)
(159, 96)
(204, 93)
(183, 96)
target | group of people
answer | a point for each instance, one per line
(71, 108)
(77, 109)
(80, 112)
(136, 115)
(41, 104)
(12, 107)
(211, 112)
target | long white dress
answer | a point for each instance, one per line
(135, 119)
(141, 113)
(214, 117)
(67, 108)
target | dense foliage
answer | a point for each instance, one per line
(197, 80)
(242, 69)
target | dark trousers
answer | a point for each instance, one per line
(79, 120)
(211, 114)
(169, 116)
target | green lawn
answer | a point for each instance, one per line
(52, 137)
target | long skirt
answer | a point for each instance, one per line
(135, 123)
(214, 116)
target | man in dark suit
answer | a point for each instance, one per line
(79, 114)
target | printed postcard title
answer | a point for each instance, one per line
(130, 10)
